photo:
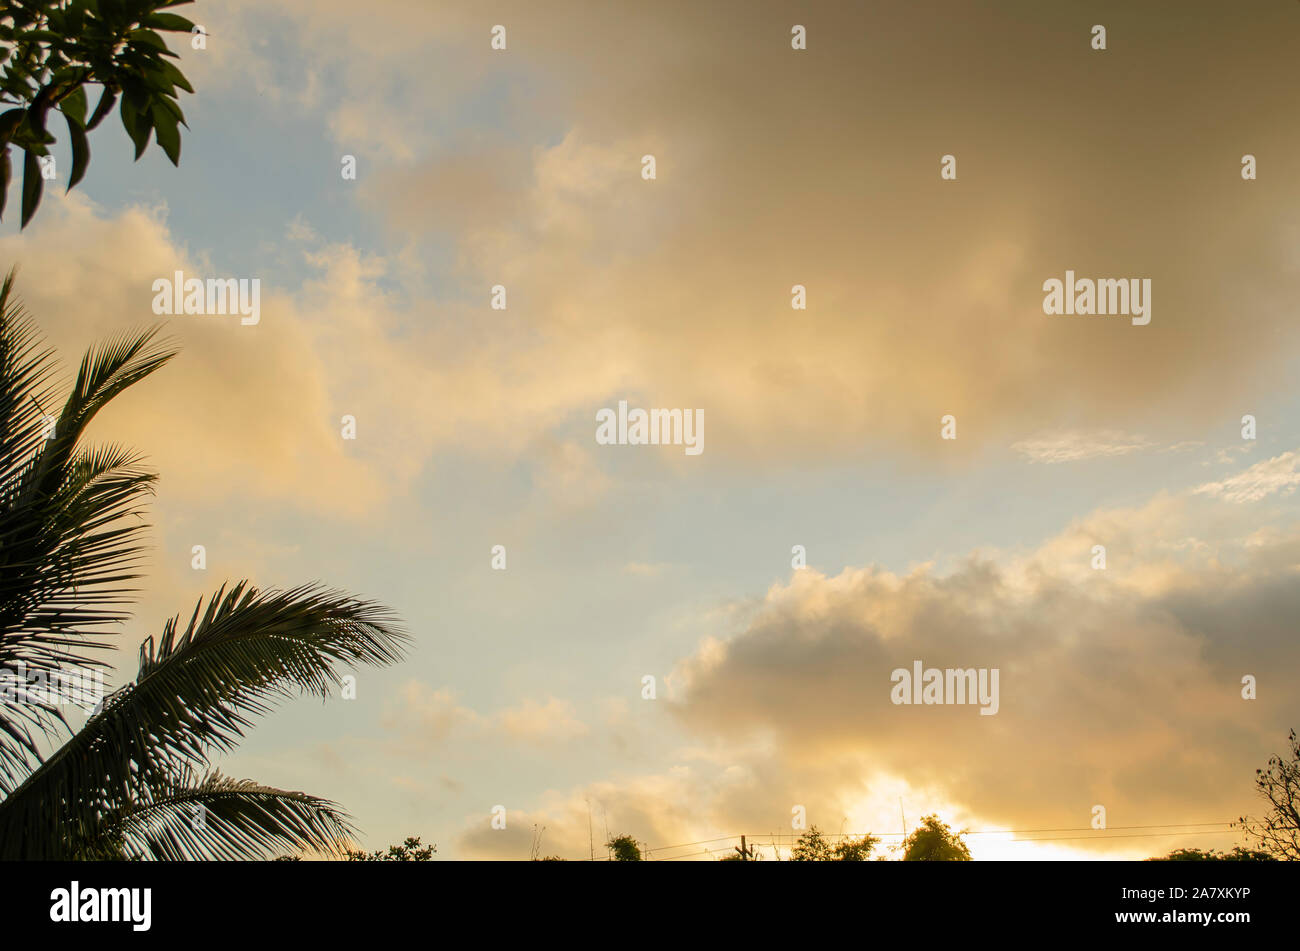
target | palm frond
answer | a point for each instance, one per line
(68, 548)
(217, 817)
(127, 783)
(196, 691)
(106, 370)
(26, 367)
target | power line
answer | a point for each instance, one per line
(1131, 835)
(1169, 825)
(686, 855)
(716, 838)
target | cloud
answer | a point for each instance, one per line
(1281, 474)
(1074, 446)
(679, 289)
(681, 805)
(1228, 455)
(675, 292)
(1119, 687)
(566, 473)
(432, 716)
(242, 413)
(255, 413)
(532, 721)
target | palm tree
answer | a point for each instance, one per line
(135, 780)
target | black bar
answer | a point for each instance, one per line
(384, 901)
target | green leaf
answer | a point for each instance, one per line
(104, 108)
(167, 21)
(127, 113)
(169, 137)
(172, 106)
(175, 76)
(138, 125)
(32, 184)
(144, 125)
(148, 38)
(74, 106)
(9, 122)
(80, 152)
(137, 90)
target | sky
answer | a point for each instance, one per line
(523, 167)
